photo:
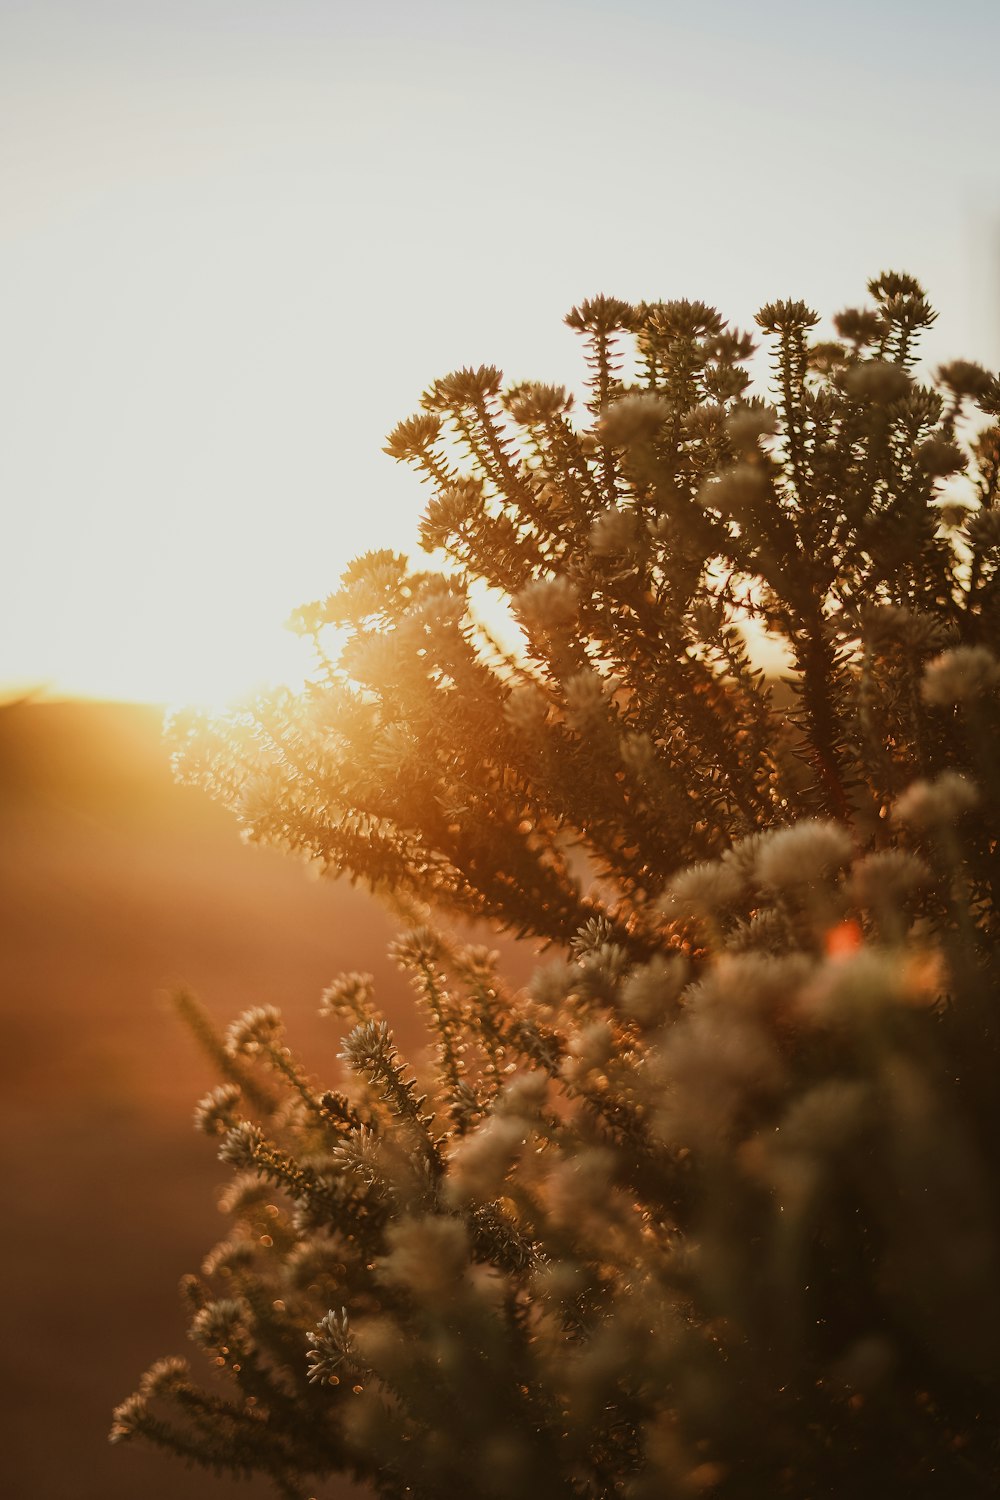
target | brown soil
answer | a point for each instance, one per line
(115, 884)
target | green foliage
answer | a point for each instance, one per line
(711, 1206)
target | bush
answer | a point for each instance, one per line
(711, 1206)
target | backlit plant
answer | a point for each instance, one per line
(711, 1205)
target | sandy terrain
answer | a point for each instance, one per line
(116, 884)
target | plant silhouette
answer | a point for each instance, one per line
(710, 1206)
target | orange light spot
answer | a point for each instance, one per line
(844, 939)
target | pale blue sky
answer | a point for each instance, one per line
(238, 239)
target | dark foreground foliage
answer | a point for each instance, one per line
(711, 1206)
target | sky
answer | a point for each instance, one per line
(237, 240)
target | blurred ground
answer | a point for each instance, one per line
(114, 885)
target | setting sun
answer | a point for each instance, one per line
(205, 656)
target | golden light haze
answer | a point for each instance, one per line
(239, 240)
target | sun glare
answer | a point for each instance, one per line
(192, 667)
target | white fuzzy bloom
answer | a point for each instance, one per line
(886, 878)
(482, 1160)
(551, 984)
(350, 995)
(854, 990)
(477, 963)
(614, 532)
(594, 933)
(393, 748)
(240, 1144)
(332, 1347)
(753, 983)
(742, 856)
(246, 1191)
(590, 1051)
(936, 804)
(711, 1066)
(524, 1096)
(585, 696)
(263, 790)
(635, 418)
(891, 623)
(218, 1111)
(960, 676)
(706, 888)
(257, 1028)
(638, 753)
(535, 402)
(224, 1323)
(228, 1256)
(767, 932)
(129, 1418)
(164, 1377)
(415, 949)
(580, 1185)
(602, 970)
(820, 1125)
(376, 659)
(653, 989)
(526, 709)
(427, 1256)
(877, 380)
(806, 852)
(828, 1118)
(548, 603)
(735, 490)
(749, 424)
